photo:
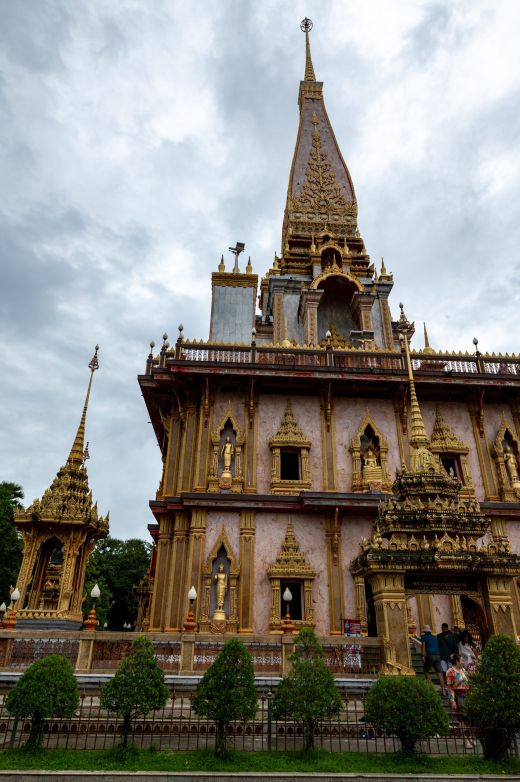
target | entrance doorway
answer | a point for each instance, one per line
(474, 620)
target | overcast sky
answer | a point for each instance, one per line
(139, 139)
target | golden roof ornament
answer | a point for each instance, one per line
(427, 348)
(306, 27)
(289, 433)
(78, 446)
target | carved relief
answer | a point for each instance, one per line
(452, 453)
(506, 455)
(369, 451)
(227, 441)
(291, 564)
(290, 471)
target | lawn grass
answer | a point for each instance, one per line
(339, 762)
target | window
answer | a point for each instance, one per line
(289, 465)
(451, 463)
(295, 606)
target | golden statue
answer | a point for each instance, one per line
(221, 581)
(511, 465)
(372, 472)
(227, 453)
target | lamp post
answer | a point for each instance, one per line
(3, 609)
(478, 355)
(10, 617)
(190, 625)
(91, 622)
(287, 626)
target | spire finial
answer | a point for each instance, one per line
(77, 452)
(427, 348)
(421, 458)
(306, 27)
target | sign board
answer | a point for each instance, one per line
(445, 583)
(352, 627)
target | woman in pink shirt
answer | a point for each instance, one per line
(457, 682)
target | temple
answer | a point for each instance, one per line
(59, 531)
(317, 471)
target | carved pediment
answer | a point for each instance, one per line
(289, 433)
(443, 440)
(291, 561)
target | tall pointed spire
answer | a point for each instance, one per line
(77, 452)
(306, 26)
(421, 458)
(427, 348)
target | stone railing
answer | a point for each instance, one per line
(352, 360)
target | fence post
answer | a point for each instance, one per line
(187, 652)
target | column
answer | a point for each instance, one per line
(328, 439)
(457, 617)
(361, 603)
(498, 600)
(250, 445)
(162, 581)
(197, 539)
(247, 562)
(476, 411)
(169, 487)
(335, 568)
(392, 619)
(203, 441)
(177, 575)
(309, 303)
(189, 441)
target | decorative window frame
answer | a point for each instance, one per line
(508, 492)
(237, 483)
(444, 443)
(289, 435)
(359, 484)
(290, 564)
(230, 625)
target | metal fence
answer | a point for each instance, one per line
(177, 727)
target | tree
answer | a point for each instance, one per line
(408, 707)
(493, 701)
(117, 566)
(47, 689)
(137, 687)
(227, 692)
(10, 498)
(308, 694)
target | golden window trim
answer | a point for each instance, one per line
(289, 435)
(290, 564)
(360, 483)
(444, 442)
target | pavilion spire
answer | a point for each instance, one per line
(306, 26)
(77, 452)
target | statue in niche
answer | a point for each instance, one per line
(227, 452)
(511, 466)
(221, 581)
(371, 470)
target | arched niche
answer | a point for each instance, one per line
(331, 257)
(507, 461)
(369, 451)
(452, 453)
(43, 591)
(338, 304)
(227, 441)
(221, 554)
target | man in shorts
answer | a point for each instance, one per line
(431, 656)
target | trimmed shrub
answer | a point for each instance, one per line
(137, 686)
(227, 692)
(47, 689)
(493, 701)
(308, 694)
(408, 707)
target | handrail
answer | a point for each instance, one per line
(351, 359)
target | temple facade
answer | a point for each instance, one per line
(317, 466)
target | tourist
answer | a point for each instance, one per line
(467, 653)
(447, 646)
(431, 657)
(458, 685)
(456, 633)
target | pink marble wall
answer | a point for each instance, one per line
(222, 399)
(441, 610)
(348, 415)
(307, 414)
(310, 534)
(215, 521)
(352, 531)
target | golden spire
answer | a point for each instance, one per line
(421, 458)
(306, 26)
(427, 348)
(78, 447)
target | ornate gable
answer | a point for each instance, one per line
(291, 561)
(443, 440)
(289, 433)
